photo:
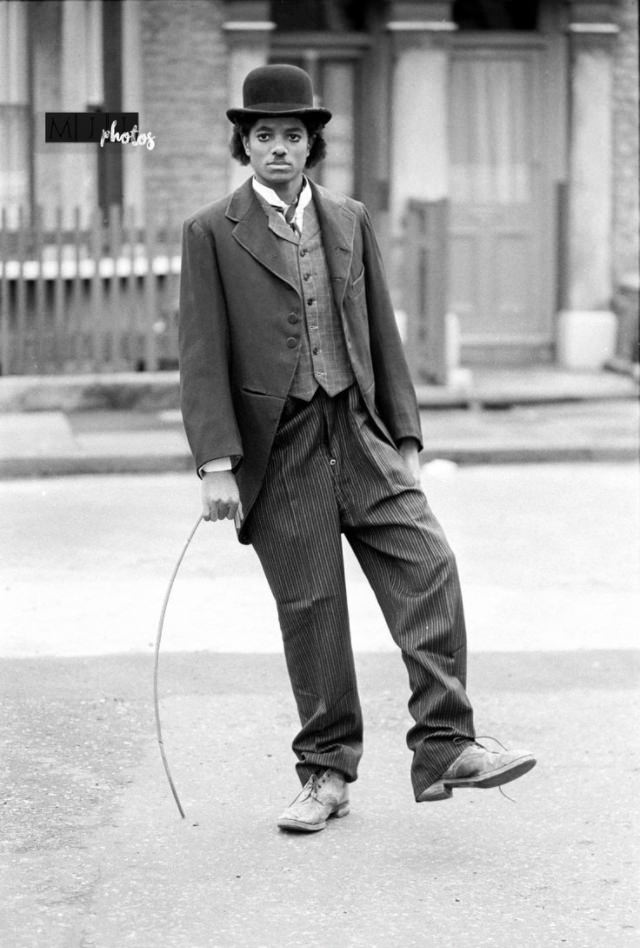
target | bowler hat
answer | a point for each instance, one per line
(278, 90)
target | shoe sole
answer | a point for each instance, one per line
(296, 826)
(434, 793)
(443, 789)
(496, 778)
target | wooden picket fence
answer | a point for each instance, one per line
(99, 296)
(102, 296)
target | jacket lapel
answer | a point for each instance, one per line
(338, 226)
(253, 234)
(337, 223)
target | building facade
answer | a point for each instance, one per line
(522, 116)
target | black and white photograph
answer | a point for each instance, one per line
(319, 457)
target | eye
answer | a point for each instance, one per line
(295, 137)
(262, 136)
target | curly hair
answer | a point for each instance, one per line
(241, 129)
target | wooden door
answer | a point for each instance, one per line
(501, 284)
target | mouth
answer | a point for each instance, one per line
(279, 164)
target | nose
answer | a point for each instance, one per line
(279, 148)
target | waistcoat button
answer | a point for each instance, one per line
(293, 318)
(292, 342)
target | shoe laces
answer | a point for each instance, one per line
(312, 786)
(490, 737)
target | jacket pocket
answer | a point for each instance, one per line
(255, 391)
(356, 286)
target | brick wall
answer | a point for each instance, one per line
(625, 223)
(184, 75)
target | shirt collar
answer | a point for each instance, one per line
(270, 196)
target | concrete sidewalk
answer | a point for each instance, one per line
(132, 424)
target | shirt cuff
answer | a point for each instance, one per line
(218, 464)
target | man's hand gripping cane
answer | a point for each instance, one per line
(220, 497)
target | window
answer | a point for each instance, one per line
(496, 14)
(323, 15)
(328, 38)
(334, 82)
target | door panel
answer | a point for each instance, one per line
(338, 88)
(335, 81)
(498, 262)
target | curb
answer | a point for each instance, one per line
(530, 455)
(160, 391)
(30, 467)
(148, 391)
(24, 467)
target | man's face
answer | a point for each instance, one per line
(278, 149)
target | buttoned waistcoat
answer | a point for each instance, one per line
(240, 330)
(323, 359)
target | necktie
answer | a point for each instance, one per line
(289, 212)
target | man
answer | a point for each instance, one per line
(303, 422)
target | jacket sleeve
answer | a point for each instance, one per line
(395, 393)
(203, 336)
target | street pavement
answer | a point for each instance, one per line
(94, 853)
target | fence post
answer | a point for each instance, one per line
(97, 301)
(59, 337)
(150, 297)
(21, 295)
(131, 346)
(41, 329)
(426, 288)
(4, 296)
(115, 244)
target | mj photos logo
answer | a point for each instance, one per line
(100, 127)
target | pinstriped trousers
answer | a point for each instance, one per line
(331, 472)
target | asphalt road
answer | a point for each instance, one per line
(93, 852)
(548, 555)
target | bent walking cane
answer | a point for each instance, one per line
(156, 704)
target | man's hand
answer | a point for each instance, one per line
(408, 448)
(220, 496)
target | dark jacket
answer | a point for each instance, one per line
(238, 349)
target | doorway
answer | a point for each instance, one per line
(501, 225)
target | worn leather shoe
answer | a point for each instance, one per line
(324, 795)
(478, 767)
